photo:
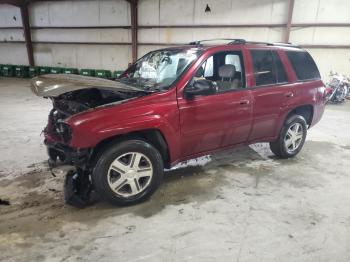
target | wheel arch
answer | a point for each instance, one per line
(153, 136)
(306, 111)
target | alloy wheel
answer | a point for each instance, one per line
(293, 137)
(130, 174)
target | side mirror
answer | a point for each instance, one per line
(200, 87)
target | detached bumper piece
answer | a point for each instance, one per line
(77, 185)
(77, 189)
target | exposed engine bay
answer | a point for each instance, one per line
(78, 101)
(73, 94)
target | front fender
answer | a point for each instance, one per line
(88, 135)
(156, 111)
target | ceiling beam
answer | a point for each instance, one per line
(289, 21)
(134, 28)
(27, 33)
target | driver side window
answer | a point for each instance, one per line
(208, 67)
(224, 70)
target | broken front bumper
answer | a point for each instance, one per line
(77, 186)
(60, 154)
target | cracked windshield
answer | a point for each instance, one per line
(158, 70)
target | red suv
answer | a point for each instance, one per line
(175, 104)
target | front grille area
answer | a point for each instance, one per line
(57, 127)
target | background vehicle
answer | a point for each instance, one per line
(338, 88)
(175, 104)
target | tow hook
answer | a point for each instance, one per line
(77, 188)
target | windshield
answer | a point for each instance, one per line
(158, 70)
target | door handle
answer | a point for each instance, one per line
(244, 102)
(290, 94)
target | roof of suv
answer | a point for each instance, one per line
(212, 43)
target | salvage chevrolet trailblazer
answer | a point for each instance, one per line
(175, 104)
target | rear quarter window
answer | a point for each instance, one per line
(304, 66)
(268, 68)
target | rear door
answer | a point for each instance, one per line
(221, 119)
(272, 91)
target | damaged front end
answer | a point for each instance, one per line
(72, 95)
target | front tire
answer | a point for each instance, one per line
(291, 139)
(128, 172)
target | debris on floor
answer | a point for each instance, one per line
(4, 202)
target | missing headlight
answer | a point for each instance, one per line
(63, 130)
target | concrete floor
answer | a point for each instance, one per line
(243, 205)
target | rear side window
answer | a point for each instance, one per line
(280, 73)
(268, 68)
(303, 65)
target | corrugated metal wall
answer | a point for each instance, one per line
(170, 13)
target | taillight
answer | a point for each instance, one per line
(328, 91)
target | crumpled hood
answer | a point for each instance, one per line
(53, 85)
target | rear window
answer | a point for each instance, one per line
(303, 64)
(280, 74)
(268, 68)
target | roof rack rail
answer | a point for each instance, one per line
(235, 41)
(287, 44)
(264, 43)
(199, 42)
(242, 41)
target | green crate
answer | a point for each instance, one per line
(87, 72)
(56, 70)
(70, 71)
(8, 70)
(21, 71)
(103, 73)
(33, 71)
(116, 74)
(44, 70)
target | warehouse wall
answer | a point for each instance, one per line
(186, 12)
(324, 11)
(11, 53)
(169, 12)
(69, 13)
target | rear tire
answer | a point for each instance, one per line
(128, 172)
(291, 138)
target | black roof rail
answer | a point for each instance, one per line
(235, 41)
(266, 43)
(250, 42)
(199, 42)
(287, 45)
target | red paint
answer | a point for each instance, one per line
(194, 127)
